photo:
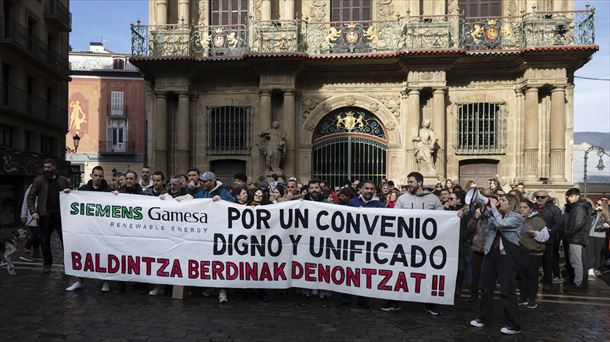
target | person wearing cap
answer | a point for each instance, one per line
(212, 187)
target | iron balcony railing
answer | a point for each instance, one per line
(439, 32)
(32, 106)
(55, 9)
(109, 146)
(12, 31)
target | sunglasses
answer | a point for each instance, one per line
(541, 197)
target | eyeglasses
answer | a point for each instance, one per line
(259, 194)
(541, 197)
(452, 198)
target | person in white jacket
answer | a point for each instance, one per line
(32, 245)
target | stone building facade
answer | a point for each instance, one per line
(468, 89)
(33, 94)
(106, 100)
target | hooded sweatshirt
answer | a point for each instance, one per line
(424, 200)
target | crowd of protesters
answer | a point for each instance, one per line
(504, 237)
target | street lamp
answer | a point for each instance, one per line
(600, 165)
(76, 141)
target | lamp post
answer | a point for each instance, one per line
(600, 164)
(76, 141)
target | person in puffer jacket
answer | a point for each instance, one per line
(576, 222)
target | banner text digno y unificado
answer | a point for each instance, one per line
(409, 255)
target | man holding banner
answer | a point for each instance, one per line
(96, 183)
(406, 255)
(416, 198)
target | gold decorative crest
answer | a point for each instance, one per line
(349, 121)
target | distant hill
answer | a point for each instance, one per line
(594, 138)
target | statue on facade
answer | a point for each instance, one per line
(426, 145)
(275, 147)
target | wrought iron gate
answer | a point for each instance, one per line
(349, 143)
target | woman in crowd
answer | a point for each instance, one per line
(242, 196)
(277, 195)
(596, 249)
(500, 228)
(449, 185)
(533, 239)
(391, 201)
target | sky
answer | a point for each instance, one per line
(108, 20)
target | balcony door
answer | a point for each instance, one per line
(117, 135)
(228, 12)
(351, 10)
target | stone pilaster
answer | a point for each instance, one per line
(266, 10)
(160, 132)
(288, 9)
(531, 134)
(290, 129)
(182, 134)
(184, 11)
(413, 114)
(161, 12)
(439, 126)
(558, 134)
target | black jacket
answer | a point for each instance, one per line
(577, 222)
(104, 187)
(136, 190)
(552, 218)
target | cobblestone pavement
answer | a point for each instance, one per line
(35, 307)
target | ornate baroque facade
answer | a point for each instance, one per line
(458, 89)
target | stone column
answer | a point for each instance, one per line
(182, 134)
(558, 134)
(413, 115)
(439, 126)
(288, 9)
(265, 109)
(290, 129)
(184, 8)
(266, 10)
(161, 132)
(161, 12)
(531, 134)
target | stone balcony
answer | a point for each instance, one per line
(410, 33)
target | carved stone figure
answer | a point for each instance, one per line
(426, 145)
(275, 147)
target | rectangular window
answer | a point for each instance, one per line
(229, 130)
(481, 128)
(6, 70)
(118, 63)
(29, 135)
(228, 12)
(46, 145)
(6, 136)
(117, 135)
(350, 10)
(116, 103)
(481, 8)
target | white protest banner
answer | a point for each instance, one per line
(409, 255)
